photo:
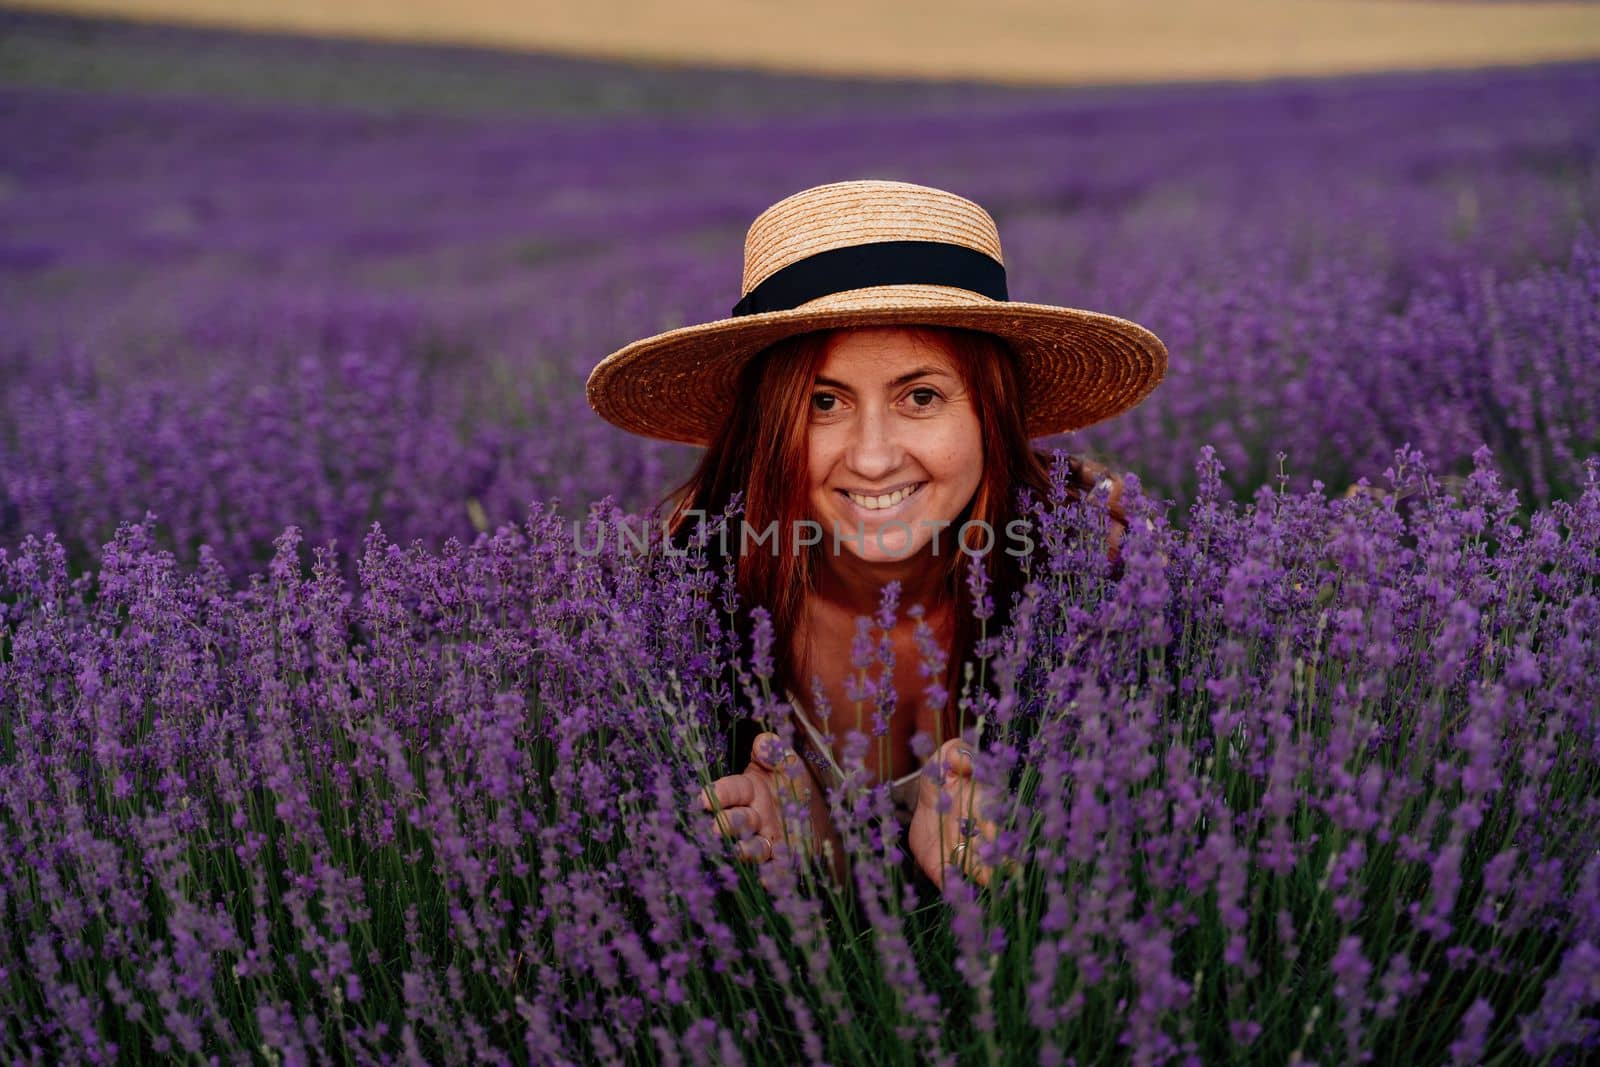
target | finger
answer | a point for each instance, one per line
(964, 799)
(737, 822)
(956, 756)
(959, 826)
(987, 833)
(736, 790)
(959, 799)
(793, 779)
(769, 752)
(970, 863)
(959, 856)
(755, 849)
(964, 858)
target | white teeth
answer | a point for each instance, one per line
(888, 500)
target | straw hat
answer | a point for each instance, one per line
(863, 253)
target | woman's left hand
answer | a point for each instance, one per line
(952, 837)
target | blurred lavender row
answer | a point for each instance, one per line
(238, 316)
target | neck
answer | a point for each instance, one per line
(856, 585)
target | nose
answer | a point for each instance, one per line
(874, 451)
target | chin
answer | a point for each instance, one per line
(892, 550)
(874, 556)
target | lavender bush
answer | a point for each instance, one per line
(1310, 780)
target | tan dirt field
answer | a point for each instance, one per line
(1020, 41)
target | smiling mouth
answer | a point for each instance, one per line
(884, 501)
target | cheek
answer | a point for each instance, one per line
(818, 457)
(961, 455)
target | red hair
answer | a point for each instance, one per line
(762, 452)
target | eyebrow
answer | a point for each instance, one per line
(920, 372)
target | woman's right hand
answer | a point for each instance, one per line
(751, 803)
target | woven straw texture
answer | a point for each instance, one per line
(1076, 367)
(852, 213)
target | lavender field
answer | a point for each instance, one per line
(320, 738)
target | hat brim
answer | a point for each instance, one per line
(1076, 367)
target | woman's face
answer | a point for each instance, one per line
(894, 443)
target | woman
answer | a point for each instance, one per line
(871, 401)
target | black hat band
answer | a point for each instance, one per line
(862, 266)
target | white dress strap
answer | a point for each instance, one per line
(902, 790)
(818, 741)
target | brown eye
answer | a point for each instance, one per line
(929, 395)
(822, 401)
